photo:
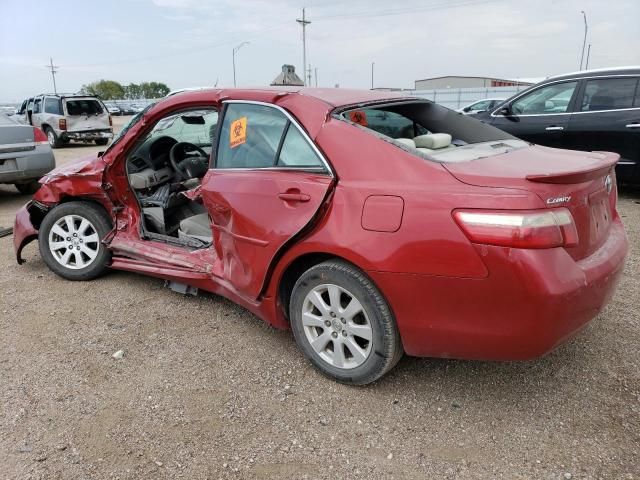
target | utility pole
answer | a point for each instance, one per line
(584, 42)
(372, 65)
(586, 67)
(309, 75)
(304, 22)
(235, 50)
(53, 69)
(316, 74)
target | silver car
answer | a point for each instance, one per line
(25, 155)
(68, 117)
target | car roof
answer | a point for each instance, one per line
(600, 72)
(334, 97)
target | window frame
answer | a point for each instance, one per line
(579, 90)
(325, 169)
(635, 101)
(39, 101)
(571, 106)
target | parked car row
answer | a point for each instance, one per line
(123, 109)
(66, 117)
(370, 223)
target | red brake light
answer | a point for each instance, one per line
(519, 229)
(39, 136)
(62, 124)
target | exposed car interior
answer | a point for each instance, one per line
(432, 131)
(165, 171)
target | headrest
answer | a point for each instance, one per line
(406, 141)
(433, 140)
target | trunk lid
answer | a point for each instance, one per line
(85, 114)
(583, 182)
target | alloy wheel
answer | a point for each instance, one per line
(74, 242)
(337, 326)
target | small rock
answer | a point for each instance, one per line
(568, 476)
(390, 456)
(61, 447)
(456, 405)
(322, 422)
(158, 463)
(41, 458)
(225, 465)
(25, 449)
(118, 355)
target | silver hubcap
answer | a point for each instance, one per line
(51, 138)
(74, 242)
(337, 326)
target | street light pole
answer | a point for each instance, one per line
(304, 22)
(372, 65)
(586, 67)
(235, 50)
(584, 42)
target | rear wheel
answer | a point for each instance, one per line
(102, 141)
(343, 325)
(53, 139)
(70, 240)
(28, 188)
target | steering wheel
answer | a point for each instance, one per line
(188, 166)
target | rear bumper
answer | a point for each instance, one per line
(531, 302)
(25, 167)
(88, 135)
(23, 231)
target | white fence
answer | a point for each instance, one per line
(455, 98)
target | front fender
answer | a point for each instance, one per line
(23, 231)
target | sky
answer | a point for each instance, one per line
(189, 43)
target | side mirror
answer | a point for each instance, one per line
(506, 111)
(466, 109)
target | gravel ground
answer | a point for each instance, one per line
(206, 390)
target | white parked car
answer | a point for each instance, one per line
(480, 106)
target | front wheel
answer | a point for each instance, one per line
(343, 324)
(70, 240)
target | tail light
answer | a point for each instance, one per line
(519, 229)
(39, 137)
(62, 124)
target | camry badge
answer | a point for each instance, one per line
(556, 200)
(608, 183)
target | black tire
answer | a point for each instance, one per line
(385, 348)
(28, 188)
(102, 141)
(98, 219)
(53, 139)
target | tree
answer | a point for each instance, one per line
(132, 91)
(154, 89)
(105, 89)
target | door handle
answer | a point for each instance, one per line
(554, 128)
(633, 125)
(294, 197)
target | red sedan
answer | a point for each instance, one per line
(370, 224)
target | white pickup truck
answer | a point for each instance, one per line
(68, 117)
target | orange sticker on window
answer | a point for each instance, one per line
(359, 117)
(238, 132)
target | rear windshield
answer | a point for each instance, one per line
(85, 106)
(432, 131)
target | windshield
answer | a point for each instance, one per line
(135, 119)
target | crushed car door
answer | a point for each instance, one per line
(267, 183)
